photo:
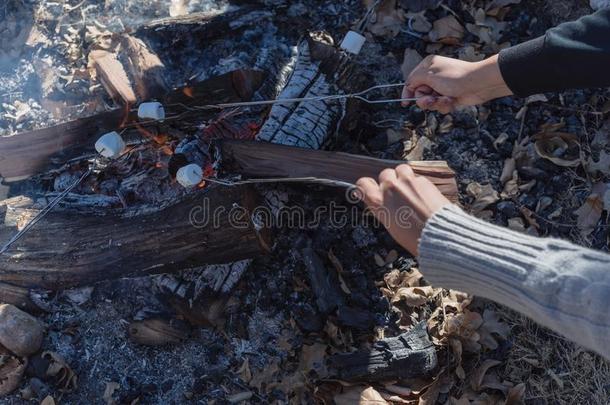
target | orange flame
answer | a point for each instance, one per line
(188, 91)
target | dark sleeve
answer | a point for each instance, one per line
(571, 55)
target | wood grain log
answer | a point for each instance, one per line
(262, 159)
(69, 249)
(128, 69)
(410, 355)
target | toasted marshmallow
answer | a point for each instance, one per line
(353, 42)
(189, 175)
(110, 145)
(152, 111)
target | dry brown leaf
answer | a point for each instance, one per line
(265, 376)
(589, 214)
(443, 383)
(313, 358)
(413, 296)
(60, 372)
(158, 331)
(510, 165)
(516, 224)
(410, 61)
(492, 326)
(447, 30)
(244, 371)
(477, 377)
(388, 19)
(511, 188)
(11, 371)
(602, 165)
(456, 348)
(109, 391)
(48, 400)
(359, 395)
(483, 196)
(418, 22)
(561, 148)
(515, 395)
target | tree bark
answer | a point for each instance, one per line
(67, 249)
(262, 159)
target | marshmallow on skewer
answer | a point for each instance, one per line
(353, 42)
(152, 110)
(189, 175)
(110, 145)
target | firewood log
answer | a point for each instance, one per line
(68, 249)
(410, 355)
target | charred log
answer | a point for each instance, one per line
(261, 159)
(69, 249)
(410, 355)
(324, 282)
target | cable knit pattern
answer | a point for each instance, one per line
(557, 284)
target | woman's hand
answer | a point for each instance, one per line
(403, 202)
(442, 84)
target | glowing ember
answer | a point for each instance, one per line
(188, 91)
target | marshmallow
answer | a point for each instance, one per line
(189, 175)
(152, 110)
(353, 42)
(110, 145)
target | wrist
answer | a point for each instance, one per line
(488, 77)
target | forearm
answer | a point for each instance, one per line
(559, 285)
(571, 55)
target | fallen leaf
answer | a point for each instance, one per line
(561, 148)
(510, 165)
(515, 395)
(244, 371)
(483, 196)
(447, 30)
(413, 296)
(602, 165)
(589, 214)
(158, 331)
(60, 372)
(492, 326)
(265, 376)
(109, 391)
(477, 377)
(387, 20)
(239, 397)
(359, 395)
(418, 22)
(313, 358)
(48, 400)
(11, 371)
(411, 59)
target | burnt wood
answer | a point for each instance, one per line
(28, 153)
(410, 355)
(324, 282)
(68, 249)
(263, 159)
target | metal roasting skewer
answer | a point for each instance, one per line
(46, 210)
(316, 180)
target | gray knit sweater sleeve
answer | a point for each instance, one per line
(557, 284)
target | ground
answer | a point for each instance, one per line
(266, 343)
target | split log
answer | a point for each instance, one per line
(410, 355)
(262, 159)
(319, 70)
(127, 68)
(25, 154)
(69, 249)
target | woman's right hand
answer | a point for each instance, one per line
(443, 84)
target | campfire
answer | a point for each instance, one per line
(203, 134)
